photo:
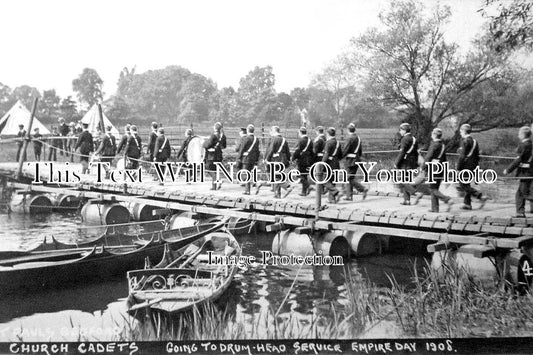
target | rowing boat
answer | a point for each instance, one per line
(187, 277)
(63, 266)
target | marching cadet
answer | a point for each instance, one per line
(469, 160)
(162, 149)
(37, 144)
(55, 144)
(107, 148)
(278, 152)
(71, 143)
(213, 147)
(522, 164)
(242, 134)
(437, 154)
(407, 158)
(86, 146)
(124, 140)
(249, 153)
(20, 141)
(303, 154)
(319, 143)
(151, 142)
(182, 153)
(351, 153)
(133, 148)
(332, 155)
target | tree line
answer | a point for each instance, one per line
(403, 70)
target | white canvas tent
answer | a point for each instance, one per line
(19, 114)
(92, 118)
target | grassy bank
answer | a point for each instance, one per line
(449, 303)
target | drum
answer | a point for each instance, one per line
(121, 164)
(195, 150)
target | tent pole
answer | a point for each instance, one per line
(101, 116)
(27, 140)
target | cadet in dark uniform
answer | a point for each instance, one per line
(151, 142)
(249, 153)
(319, 143)
(242, 134)
(124, 140)
(213, 147)
(37, 144)
(20, 141)
(278, 152)
(162, 149)
(332, 156)
(133, 149)
(182, 153)
(86, 146)
(303, 155)
(522, 165)
(55, 143)
(107, 148)
(469, 160)
(437, 154)
(63, 132)
(407, 158)
(351, 153)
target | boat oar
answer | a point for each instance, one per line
(145, 304)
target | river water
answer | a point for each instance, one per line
(97, 311)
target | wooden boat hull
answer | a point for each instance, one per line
(205, 283)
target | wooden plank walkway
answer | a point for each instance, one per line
(381, 208)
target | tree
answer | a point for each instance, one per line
(49, 106)
(256, 95)
(68, 109)
(88, 87)
(510, 23)
(26, 94)
(340, 79)
(409, 66)
(6, 99)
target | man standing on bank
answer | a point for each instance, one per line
(469, 160)
(86, 146)
(332, 156)
(63, 132)
(407, 158)
(150, 149)
(107, 149)
(37, 144)
(278, 152)
(213, 147)
(352, 152)
(21, 134)
(133, 149)
(303, 154)
(437, 154)
(523, 167)
(249, 153)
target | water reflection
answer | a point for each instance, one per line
(97, 310)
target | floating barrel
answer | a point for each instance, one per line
(519, 269)
(363, 243)
(182, 220)
(66, 202)
(141, 211)
(104, 213)
(293, 242)
(32, 204)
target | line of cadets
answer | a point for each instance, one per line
(324, 148)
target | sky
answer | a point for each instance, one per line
(47, 44)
